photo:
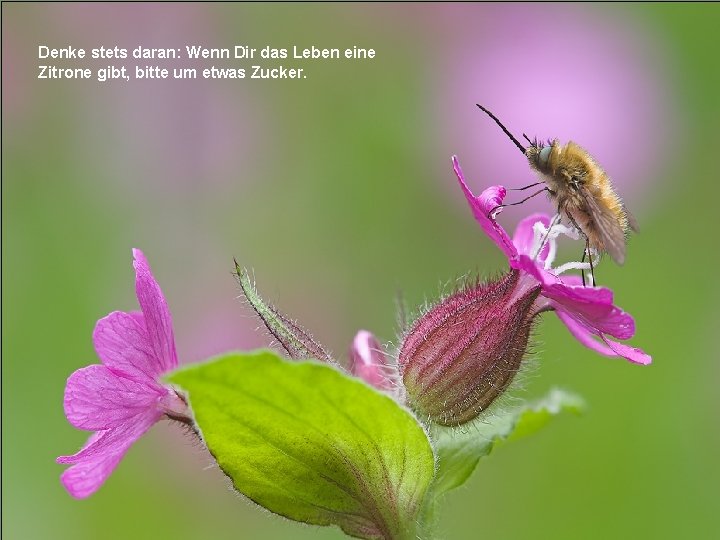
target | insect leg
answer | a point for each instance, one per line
(592, 270)
(585, 252)
(526, 187)
(491, 212)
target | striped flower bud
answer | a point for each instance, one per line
(465, 351)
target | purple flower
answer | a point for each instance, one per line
(121, 398)
(588, 312)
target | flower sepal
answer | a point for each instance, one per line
(464, 352)
(297, 343)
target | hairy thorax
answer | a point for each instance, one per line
(572, 176)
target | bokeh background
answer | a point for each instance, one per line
(337, 190)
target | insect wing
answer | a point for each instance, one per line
(631, 220)
(608, 227)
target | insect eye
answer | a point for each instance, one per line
(544, 155)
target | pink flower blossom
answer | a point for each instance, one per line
(121, 398)
(368, 361)
(588, 312)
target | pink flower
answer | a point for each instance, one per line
(368, 361)
(588, 312)
(121, 398)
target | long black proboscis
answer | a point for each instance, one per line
(499, 123)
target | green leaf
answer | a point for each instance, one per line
(312, 444)
(459, 451)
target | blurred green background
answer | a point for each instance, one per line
(338, 191)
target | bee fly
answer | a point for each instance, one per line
(582, 191)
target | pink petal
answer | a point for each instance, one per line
(590, 306)
(96, 398)
(528, 264)
(368, 361)
(524, 236)
(94, 463)
(122, 343)
(635, 355)
(606, 347)
(157, 315)
(481, 206)
(572, 287)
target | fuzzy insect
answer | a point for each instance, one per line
(582, 191)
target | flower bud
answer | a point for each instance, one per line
(368, 361)
(464, 352)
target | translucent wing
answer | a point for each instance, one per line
(607, 226)
(631, 220)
